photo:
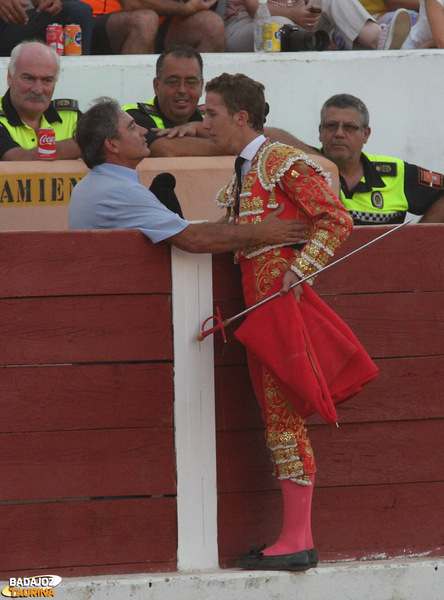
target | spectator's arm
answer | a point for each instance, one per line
(168, 8)
(274, 134)
(191, 129)
(395, 4)
(66, 149)
(299, 13)
(435, 214)
(435, 17)
(13, 13)
(185, 146)
(50, 7)
(190, 139)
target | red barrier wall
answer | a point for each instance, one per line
(87, 469)
(87, 465)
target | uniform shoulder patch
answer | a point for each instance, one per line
(2, 114)
(430, 179)
(65, 104)
(386, 169)
(148, 109)
(201, 109)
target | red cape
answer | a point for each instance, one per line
(314, 356)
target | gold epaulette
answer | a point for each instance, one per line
(274, 160)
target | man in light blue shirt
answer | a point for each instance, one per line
(110, 196)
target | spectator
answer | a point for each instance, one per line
(177, 87)
(111, 197)
(22, 20)
(429, 30)
(26, 107)
(148, 26)
(375, 189)
(348, 17)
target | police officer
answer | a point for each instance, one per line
(26, 107)
(178, 87)
(376, 190)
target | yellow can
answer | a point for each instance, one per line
(272, 37)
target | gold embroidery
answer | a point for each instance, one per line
(286, 435)
(267, 268)
(251, 205)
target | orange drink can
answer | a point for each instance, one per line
(73, 40)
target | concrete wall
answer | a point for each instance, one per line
(403, 90)
(35, 195)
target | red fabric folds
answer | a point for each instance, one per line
(312, 353)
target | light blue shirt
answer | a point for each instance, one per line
(112, 197)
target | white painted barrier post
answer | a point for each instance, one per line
(194, 413)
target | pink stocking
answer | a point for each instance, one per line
(296, 529)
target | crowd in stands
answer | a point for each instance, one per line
(150, 26)
(375, 189)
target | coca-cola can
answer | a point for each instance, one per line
(46, 144)
(55, 37)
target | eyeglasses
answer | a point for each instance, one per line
(333, 126)
(190, 83)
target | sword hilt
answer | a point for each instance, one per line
(219, 325)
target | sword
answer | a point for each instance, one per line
(220, 325)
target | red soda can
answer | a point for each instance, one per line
(46, 144)
(73, 40)
(55, 38)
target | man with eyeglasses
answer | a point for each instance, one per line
(377, 190)
(178, 87)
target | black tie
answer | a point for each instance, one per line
(238, 170)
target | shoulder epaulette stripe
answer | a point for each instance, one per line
(149, 109)
(65, 104)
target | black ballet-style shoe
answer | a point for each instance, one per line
(312, 557)
(256, 560)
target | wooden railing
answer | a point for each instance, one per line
(87, 469)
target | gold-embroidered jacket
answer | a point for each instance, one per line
(279, 175)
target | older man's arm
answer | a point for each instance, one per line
(216, 238)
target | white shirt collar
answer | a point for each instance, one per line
(249, 152)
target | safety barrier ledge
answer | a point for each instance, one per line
(406, 579)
